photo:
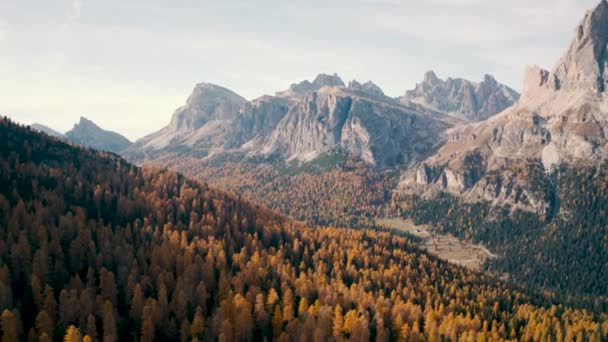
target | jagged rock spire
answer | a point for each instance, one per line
(584, 64)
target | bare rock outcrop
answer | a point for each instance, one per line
(462, 98)
(380, 132)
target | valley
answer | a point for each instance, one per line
(445, 246)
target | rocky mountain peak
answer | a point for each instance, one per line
(560, 120)
(489, 79)
(87, 133)
(462, 98)
(305, 87)
(583, 65)
(84, 126)
(368, 88)
(430, 78)
(325, 80)
(302, 123)
(207, 102)
(376, 130)
(85, 123)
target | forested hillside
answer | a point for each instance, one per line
(565, 250)
(329, 191)
(103, 250)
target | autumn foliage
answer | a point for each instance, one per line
(350, 194)
(94, 249)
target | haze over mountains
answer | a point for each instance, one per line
(87, 133)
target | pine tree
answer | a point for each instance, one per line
(10, 326)
(109, 323)
(91, 328)
(338, 323)
(277, 321)
(72, 335)
(44, 325)
(147, 327)
(198, 324)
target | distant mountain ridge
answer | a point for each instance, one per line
(304, 122)
(86, 133)
(47, 130)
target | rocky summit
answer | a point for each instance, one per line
(305, 87)
(462, 98)
(214, 119)
(87, 133)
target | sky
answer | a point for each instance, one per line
(128, 64)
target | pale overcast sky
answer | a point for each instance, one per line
(127, 64)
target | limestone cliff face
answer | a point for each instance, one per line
(212, 119)
(208, 102)
(461, 98)
(312, 127)
(302, 123)
(583, 66)
(562, 117)
(380, 132)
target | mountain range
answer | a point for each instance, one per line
(45, 129)
(477, 160)
(312, 119)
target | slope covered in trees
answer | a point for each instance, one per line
(565, 250)
(569, 254)
(343, 193)
(92, 247)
